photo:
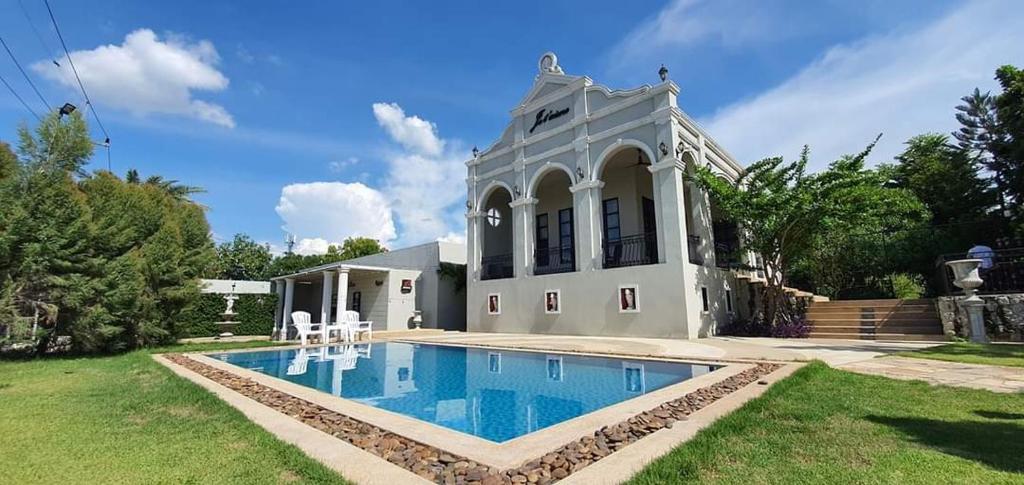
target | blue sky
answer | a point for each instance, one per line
(336, 119)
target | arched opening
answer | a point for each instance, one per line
(554, 233)
(628, 225)
(497, 242)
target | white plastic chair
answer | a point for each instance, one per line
(355, 326)
(302, 324)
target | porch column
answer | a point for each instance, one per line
(286, 317)
(473, 241)
(342, 291)
(587, 213)
(278, 308)
(325, 298)
(521, 232)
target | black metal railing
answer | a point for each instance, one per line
(727, 255)
(631, 250)
(558, 259)
(1002, 271)
(496, 267)
(693, 250)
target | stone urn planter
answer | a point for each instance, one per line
(966, 277)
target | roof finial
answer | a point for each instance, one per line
(548, 64)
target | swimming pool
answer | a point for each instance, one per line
(495, 395)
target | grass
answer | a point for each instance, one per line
(992, 354)
(828, 426)
(127, 419)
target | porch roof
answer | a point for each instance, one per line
(332, 267)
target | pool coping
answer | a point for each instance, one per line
(505, 455)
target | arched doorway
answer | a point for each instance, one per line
(554, 233)
(497, 240)
(629, 234)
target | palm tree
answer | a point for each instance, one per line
(180, 192)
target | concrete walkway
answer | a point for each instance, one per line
(989, 377)
(834, 352)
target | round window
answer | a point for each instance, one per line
(493, 217)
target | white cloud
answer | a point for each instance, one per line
(323, 213)
(146, 75)
(337, 166)
(415, 134)
(901, 84)
(423, 189)
(453, 237)
(424, 181)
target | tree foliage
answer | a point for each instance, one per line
(111, 265)
(782, 210)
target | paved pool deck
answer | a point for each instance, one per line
(833, 352)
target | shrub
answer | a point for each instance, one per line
(907, 286)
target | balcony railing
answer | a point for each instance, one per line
(631, 250)
(559, 259)
(693, 250)
(496, 267)
(726, 256)
(1004, 272)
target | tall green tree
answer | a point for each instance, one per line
(109, 264)
(1010, 146)
(243, 259)
(782, 208)
(943, 177)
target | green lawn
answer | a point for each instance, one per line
(127, 419)
(828, 426)
(992, 354)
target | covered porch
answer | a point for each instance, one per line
(384, 296)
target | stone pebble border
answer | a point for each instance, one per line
(442, 467)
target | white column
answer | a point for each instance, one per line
(278, 308)
(342, 290)
(473, 242)
(587, 213)
(325, 298)
(286, 317)
(520, 232)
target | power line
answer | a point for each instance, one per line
(64, 45)
(25, 74)
(39, 37)
(23, 103)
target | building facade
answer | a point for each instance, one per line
(581, 221)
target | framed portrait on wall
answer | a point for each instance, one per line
(629, 299)
(552, 302)
(494, 304)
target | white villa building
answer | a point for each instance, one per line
(580, 220)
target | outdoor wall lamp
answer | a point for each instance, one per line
(663, 148)
(579, 174)
(680, 148)
(469, 205)
(663, 72)
(476, 152)
(516, 191)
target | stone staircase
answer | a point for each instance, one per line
(900, 320)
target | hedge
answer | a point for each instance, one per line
(255, 312)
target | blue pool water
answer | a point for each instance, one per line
(496, 395)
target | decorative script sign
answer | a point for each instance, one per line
(544, 115)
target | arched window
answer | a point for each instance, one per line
(554, 233)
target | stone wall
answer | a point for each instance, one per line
(1004, 316)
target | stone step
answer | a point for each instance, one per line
(863, 329)
(848, 305)
(901, 337)
(869, 315)
(928, 325)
